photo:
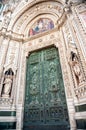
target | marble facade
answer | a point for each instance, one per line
(68, 35)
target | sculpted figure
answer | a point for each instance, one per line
(6, 21)
(7, 14)
(76, 67)
(7, 85)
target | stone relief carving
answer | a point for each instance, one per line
(54, 86)
(7, 14)
(7, 11)
(6, 20)
(12, 55)
(67, 8)
(81, 7)
(68, 34)
(34, 87)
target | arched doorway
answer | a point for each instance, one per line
(45, 103)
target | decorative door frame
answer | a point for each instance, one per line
(29, 47)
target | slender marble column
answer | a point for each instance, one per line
(3, 53)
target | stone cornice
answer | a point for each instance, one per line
(11, 35)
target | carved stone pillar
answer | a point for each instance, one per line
(1, 39)
(78, 34)
(71, 110)
(21, 89)
(3, 52)
(19, 115)
(68, 83)
(79, 37)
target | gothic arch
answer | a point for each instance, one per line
(22, 20)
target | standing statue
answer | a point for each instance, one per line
(7, 85)
(76, 67)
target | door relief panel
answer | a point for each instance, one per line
(45, 102)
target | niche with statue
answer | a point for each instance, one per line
(7, 83)
(74, 62)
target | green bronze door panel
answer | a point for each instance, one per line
(45, 102)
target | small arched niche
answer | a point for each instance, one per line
(7, 83)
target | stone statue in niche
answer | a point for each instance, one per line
(7, 85)
(76, 67)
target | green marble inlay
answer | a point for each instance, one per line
(80, 108)
(7, 125)
(81, 124)
(7, 113)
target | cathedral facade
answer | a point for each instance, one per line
(42, 65)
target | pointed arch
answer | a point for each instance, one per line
(24, 16)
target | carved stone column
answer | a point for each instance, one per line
(3, 52)
(78, 34)
(79, 37)
(1, 39)
(19, 114)
(68, 83)
(21, 89)
(71, 110)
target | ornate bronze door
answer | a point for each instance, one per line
(45, 103)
